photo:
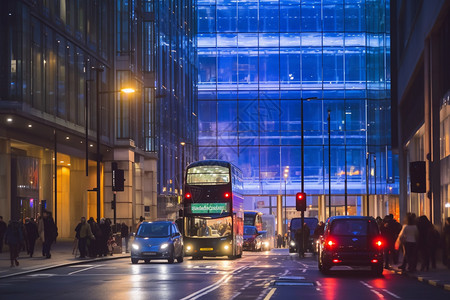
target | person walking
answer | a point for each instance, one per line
(433, 243)
(14, 239)
(124, 233)
(48, 232)
(105, 228)
(83, 233)
(3, 227)
(446, 243)
(32, 235)
(94, 245)
(423, 225)
(141, 219)
(408, 238)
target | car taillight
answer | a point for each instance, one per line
(374, 261)
(188, 195)
(379, 243)
(330, 244)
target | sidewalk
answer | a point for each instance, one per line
(439, 277)
(61, 256)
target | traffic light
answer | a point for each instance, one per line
(118, 182)
(418, 177)
(300, 201)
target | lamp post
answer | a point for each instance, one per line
(97, 189)
(182, 163)
(285, 175)
(329, 163)
(303, 142)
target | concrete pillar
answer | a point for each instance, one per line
(280, 215)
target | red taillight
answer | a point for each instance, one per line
(374, 261)
(227, 195)
(330, 244)
(336, 261)
(188, 195)
(379, 243)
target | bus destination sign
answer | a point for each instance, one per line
(209, 208)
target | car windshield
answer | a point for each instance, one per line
(296, 223)
(208, 228)
(249, 230)
(353, 227)
(153, 230)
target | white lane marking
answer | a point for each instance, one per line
(82, 270)
(247, 285)
(392, 294)
(212, 287)
(380, 295)
(235, 295)
(304, 270)
(270, 294)
(318, 283)
(80, 266)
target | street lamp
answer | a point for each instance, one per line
(329, 163)
(98, 110)
(285, 175)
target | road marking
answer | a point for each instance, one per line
(82, 270)
(270, 294)
(392, 294)
(318, 283)
(80, 266)
(380, 295)
(212, 287)
(235, 295)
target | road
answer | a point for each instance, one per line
(262, 276)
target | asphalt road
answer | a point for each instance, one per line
(262, 276)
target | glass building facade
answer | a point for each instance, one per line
(175, 97)
(257, 60)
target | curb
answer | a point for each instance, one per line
(431, 282)
(81, 262)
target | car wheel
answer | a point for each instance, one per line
(180, 259)
(377, 270)
(171, 258)
(134, 261)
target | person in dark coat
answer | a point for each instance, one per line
(3, 227)
(83, 234)
(14, 239)
(105, 228)
(48, 232)
(93, 247)
(446, 243)
(32, 235)
(124, 233)
(423, 225)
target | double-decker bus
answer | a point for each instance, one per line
(213, 209)
(253, 218)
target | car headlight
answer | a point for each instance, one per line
(135, 246)
(292, 243)
(266, 243)
(164, 246)
(226, 247)
(188, 248)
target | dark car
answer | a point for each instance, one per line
(296, 224)
(351, 241)
(252, 239)
(157, 240)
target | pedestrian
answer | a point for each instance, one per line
(94, 244)
(83, 233)
(48, 232)
(105, 228)
(433, 243)
(279, 240)
(408, 238)
(14, 239)
(388, 233)
(423, 225)
(446, 243)
(141, 219)
(124, 233)
(298, 240)
(32, 235)
(3, 227)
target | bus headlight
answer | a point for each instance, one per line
(226, 247)
(188, 248)
(292, 243)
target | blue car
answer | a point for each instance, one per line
(157, 240)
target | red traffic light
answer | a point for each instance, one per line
(188, 195)
(300, 201)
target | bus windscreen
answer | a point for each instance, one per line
(208, 175)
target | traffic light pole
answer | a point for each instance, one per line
(114, 206)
